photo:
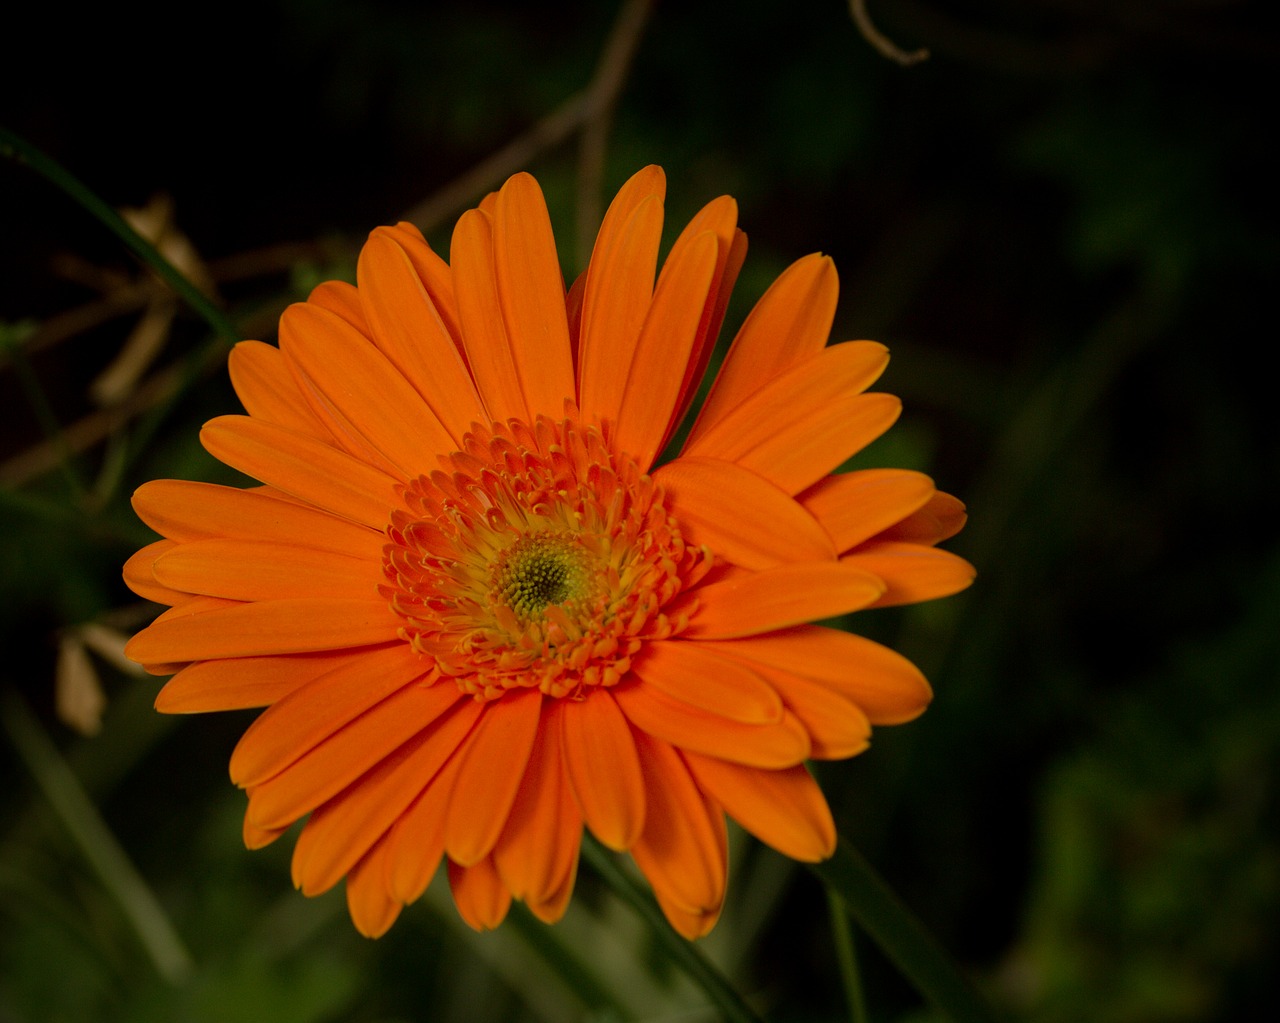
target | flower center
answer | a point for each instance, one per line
(536, 557)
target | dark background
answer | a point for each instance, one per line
(1062, 224)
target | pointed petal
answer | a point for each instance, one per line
(774, 745)
(372, 908)
(489, 775)
(887, 686)
(539, 845)
(294, 626)
(531, 289)
(703, 678)
(617, 293)
(241, 683)
(683, 850)
(804, 423)
(911, 572)
(743, 603)
(739, 515)
(855, 506)
(316, 710)
(256, 570)
(304, 467)
(784, 809)
(478, 892)
(664, 349)
(484, 334)
(603, 768)
(196, 511)
(267, 389)
(789, 325)
(411, 332)
(363, 389)
(333, 763)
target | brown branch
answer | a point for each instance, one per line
(882, 43)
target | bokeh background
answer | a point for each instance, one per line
(1063, 224)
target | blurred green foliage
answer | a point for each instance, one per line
(1064, 226)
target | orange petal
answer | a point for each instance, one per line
(743, 603)
(310, 470)
(259, 838)
(493, 763)
(242, 682)
(432, 271)
(775, 745)
(943, 517)
(804, 423)
(703, 678)
(372, 908)
(664, 348)
(887, 686)
(855, 506)
(332, 764)
(417, 839)
(683, 850)
(411, 332)
(603, 768)
(789, 324)
(256, 570)
(343, 300)
(364, 391)
(484, 334)
(478, 892)
(739, 515)
(195, 511)
(837, 726)
(268, 391)
(139, 575)
(345, 828)
(316, 710)
(617, 292)
(551, 909)
(292, 626)
(911, 572)
(784, 809)
(532, 292)
(539, 846)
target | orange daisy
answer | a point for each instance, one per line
(478, 615)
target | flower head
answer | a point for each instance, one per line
(478, 615)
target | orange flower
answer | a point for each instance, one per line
(481, 619)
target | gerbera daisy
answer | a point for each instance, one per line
(478, 615)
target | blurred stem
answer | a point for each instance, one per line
(576, 974)
(96, 842)
(901, 935)
(681, 952)
(44, 413)
(17, 148)
(842, 935)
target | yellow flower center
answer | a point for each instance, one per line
(536, 557)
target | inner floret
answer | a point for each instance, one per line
(536, 557)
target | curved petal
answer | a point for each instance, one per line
(341, 299)
(603, 768)
(743, 603)
(780, 744)
(240, 683)
(943, 517)
(703, 678)
(293, 626)
(837, 726)
(433, 272)
(489, 775)
(912, 573)
(887, 686)
(139, 575)
(417, 838)
(267, 389)
(371, 906)
(789, 324)
(739, 515)
(802, 424)
(308, 469)
(257, 570)
(855, 506)
(316, 710)
(784, 809)
(531, 289)
(412, 333)
(478, 892)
